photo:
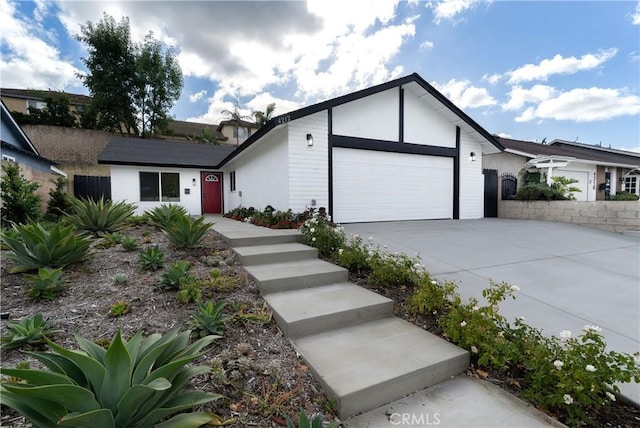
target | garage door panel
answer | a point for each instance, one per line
(381, 186)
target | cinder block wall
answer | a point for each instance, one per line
(614, 216)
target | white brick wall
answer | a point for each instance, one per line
(308, 166)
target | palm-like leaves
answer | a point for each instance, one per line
(187, 232)
(99, 216)
(262, 117)
(132, 384)
(165, 214)
(32, 246)
(208, 318)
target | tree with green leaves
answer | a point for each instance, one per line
(236, 117)
(111, 77)
(262, 117)
(19, 200)
(159, 83)
(57, 113)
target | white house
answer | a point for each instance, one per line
(395, 151)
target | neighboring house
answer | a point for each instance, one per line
(395, 151)
(600, 172)
(199, 132)
(151, 172)
(237, 132)
(17, 147)
(19, 100)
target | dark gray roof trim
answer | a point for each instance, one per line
(306, 111)
(163, 153)
(11, 147)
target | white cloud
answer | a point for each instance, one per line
(449, 9)
(559, 65)
(519, 96)
(584, 105)
(504, 135)
(426, 45)
(635, 18)
(464, 95)
(28, 59)
(492, 78)
(197, 96)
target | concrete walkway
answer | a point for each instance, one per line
(569, 276)
(362, 355)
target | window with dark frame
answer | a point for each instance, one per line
(232, 180)
(631, 184)
(159, 186)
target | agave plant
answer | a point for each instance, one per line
(170, 280)
(27, 332)
(151, 258)
(99, 216)
(208, 318)
(164, 215)
(305, 422)
(186, 232)
(134, 383)
(32, 246)
(46, 284)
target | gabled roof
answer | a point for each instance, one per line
(241, 123)
(26, 146)
(190, 129)
(36, 94)
(578, 151)
(412, 78)
(150, 152)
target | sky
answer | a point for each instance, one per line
(527, 70)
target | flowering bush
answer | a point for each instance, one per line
(432, 296)
(395, 269)
(355, 256)
(320, 232)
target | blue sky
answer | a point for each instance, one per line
(527, 70)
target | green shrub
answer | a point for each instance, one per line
(119, 308)
(189, 289)
(110, 239)
(35, 247)
(119, 279)
(99, 216)
(208, 318)
(395, 270)
(355, 255)
(170, 279)
(186, 232)
(19, 201)
(165, 215)
(625, 196)
(563, 185)
(134, 383)
(431, 296)
(59, 203)
(46, 284)
(27, 332)
(305, 422)
(539, 192)
(138, 220)
(151, 258)
(128, 243)
(321, 233)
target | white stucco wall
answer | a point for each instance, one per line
(471, 179)
(125, 186)
(261, 174)
(424, 125)
(375, 117)
(308, 174)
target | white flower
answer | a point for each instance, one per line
(370, 238)
(590, 368)
(501, 334)
(340, 251)
(567, 399)
(313, 239)
(474, 349)
(434, 282)
(611, 396)
(313, 229)
(463, 323)
(520, 318)
(475, 308)
(515, 288)
(328, 217)
(558, 364)
(416, 266)
(495, 308)
(595, 328)
(565, 334)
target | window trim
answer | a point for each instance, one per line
(631, 181)
(232, 181)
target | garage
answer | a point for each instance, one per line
(382, 186)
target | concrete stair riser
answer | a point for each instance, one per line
(278, 277)
(278, 253)
(246, 241)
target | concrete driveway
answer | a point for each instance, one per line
(569, 276)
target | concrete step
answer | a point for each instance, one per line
(371, 364)
(277, 253)
(276, 277)
(315, 310)
(268, 237)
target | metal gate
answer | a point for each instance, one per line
(92, 187)
(509, 186)
(490, 192)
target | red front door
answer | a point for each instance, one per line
(211, 192)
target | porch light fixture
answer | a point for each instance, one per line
(472, 156)
(309, 140)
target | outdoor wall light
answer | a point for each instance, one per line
(472, 156)
(193, 181)
(309, 140)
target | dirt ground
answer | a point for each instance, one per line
(255, 368)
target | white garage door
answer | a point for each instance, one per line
(381, 186)
(582, 184)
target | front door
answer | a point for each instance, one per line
(211, 192)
